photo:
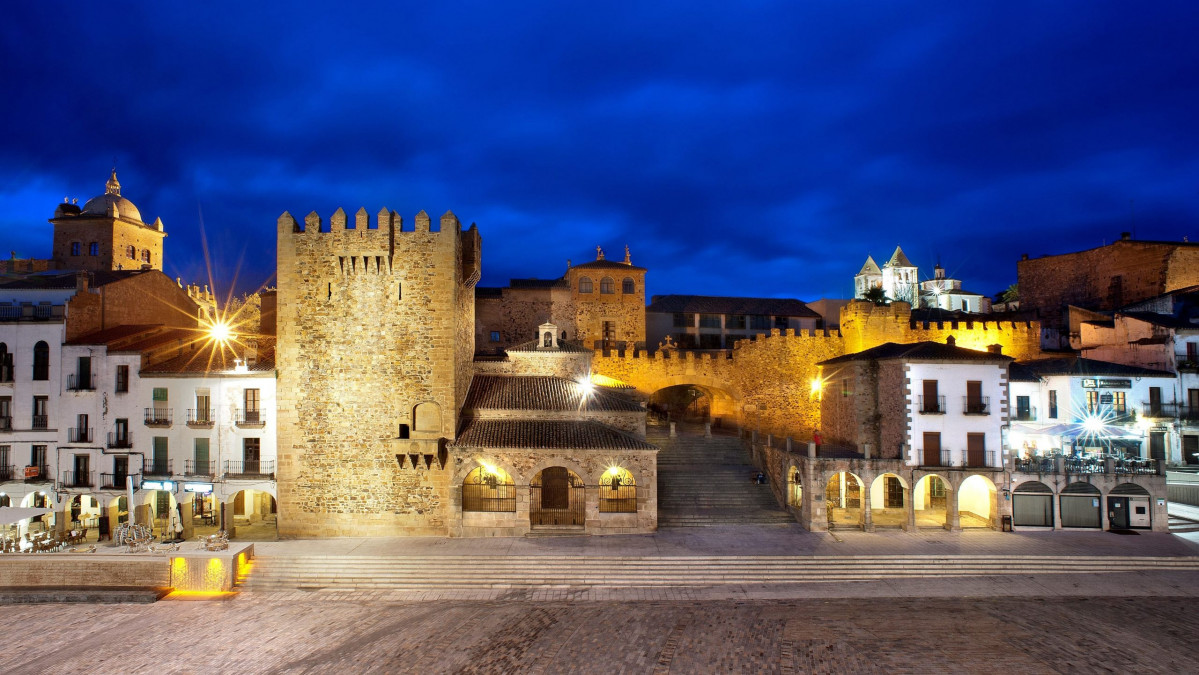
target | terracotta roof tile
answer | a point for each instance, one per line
(524, 392)
(546, 435)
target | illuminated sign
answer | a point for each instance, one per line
(1106, 384)
(168, 485)
(202, 488)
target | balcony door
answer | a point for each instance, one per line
(932, 448)
(252, 405)
(251, 454)
(82, 469)
(976, 449)
(1155, 401)
(120, 469)
(929, 404)
(974, 397)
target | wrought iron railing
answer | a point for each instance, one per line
(159, 417)
(81, 382)
(157, 467)
(193, 467)
(6, 423)
(116, 481)
(76, 479)
(200, 417)
(1025, 415)
(618, 499)
(255, 468)
(482, 497)
(980, 405)
(40, 422)
(932, 405)
(1082, 466)
(250, 418)
(79, 435)
(36, 473)
(1159, 410)
(7, 472)
(119, 440)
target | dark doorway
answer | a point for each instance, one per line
(1117, 512)
(976, 449)
(557, 498)
(932, 448)
(1157, 445)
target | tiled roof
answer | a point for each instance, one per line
(560, 282)
(870, 267)
(109, 336)
(546, 435)
(210, 359)
(563, 346)
(607, 265)
(1076, 365)
(918, 351)
(527, 392)
(711, 304)
(1163, 320)
(1016, 372)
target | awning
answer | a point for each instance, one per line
(15, 514)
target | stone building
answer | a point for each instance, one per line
(108, 233)
(898, 278)
(712, 322)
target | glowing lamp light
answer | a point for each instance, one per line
(1092, 424)
(817, 385)
(613, 470)
(588, 387)
(219, 331)
(490, 468)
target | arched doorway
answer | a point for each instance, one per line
(160, 503)
(1128, 507)
(557, 498)
(976, 502)
(843, 500)
(252, 516)
(887, 501)
(1080, 506)
(85, 512)
(488, 489)
(794, 488)
(929, 501)
(693, 403)
(1032, 505)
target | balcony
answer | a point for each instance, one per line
(81, 382)
(159, 417)
(199, 468)
(6, 374)
(932, 405)
(40, 422)
(250, 418)
(251, 469)
(37, 473)
(116, 481)
(1025, 415)
(1084, 466)
(157, 467)
(200, 418)
(1158, 411)
(78, 479)
(119, 440)
(976, 406)
(1188, 413)
(7, 473)
(6, 423)
(79, 435)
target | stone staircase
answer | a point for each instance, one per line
(449, 573)
(708, 481)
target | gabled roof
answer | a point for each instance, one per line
(1077, 365)
(528, 392)
(114, 335)
(711, 304)
(607, 265)
(919, 351)
(870, 267)
(546, 435)
(898, 259)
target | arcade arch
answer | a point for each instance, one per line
(843, 500)
(930, 500)
(976, 502)
(888, 498)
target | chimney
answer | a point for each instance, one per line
(81, 282)
(995, 348)
(951, 341)
(1024, 256)
(251, 353)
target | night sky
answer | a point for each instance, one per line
(739, 148)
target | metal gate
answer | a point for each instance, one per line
(557, 497)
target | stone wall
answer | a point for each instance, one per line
(113, 237)
(375, 331)
(626, 311)
(629, 422)
(84, 571)
(518, 312)
(570, 365)
(147, 298)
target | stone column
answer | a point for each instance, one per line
(867, 518)
(909, 508)
(1057, 511)
(953, 519)
(673, 433)
(186, 507)
(811, 451)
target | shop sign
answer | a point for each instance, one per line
(168, 485)
(1092, 383)
(32, 471)
(202, 488)
(1105, 399)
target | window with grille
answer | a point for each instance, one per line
(585, 285)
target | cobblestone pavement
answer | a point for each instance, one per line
(363, 632)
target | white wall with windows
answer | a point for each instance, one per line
(966, 399)
(30, 415)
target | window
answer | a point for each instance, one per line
(1193, 351)
(684, 320)
(83, 373)
(76, 248)
(1053, 404)
(734, 321)
(609, 331)
(400, 291)
(931, 401)
(131, 253)
(628, 287)
(1092, 401)
(488, 490)
(607, 286)
(5, 363)
(1155, 400)
(1118, 402)
(93, 248)
(146, 255)
(5, 416)
(80, 433)
(41, 361)
(585, 285)
(780, 322)
(709, 320)
(617, 492)
(252, 406)
(121, 432)
(1023, 408)
(252, 454)
(203, 406)
(759, 322)
(37, 456)
(495, 336)
(845, 388)
(158, 462)
(122, 386)
(201, 457)
(40, 416)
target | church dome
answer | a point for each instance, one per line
(111, 203)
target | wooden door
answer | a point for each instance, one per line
(976, 450)
(929, 402)
(974, 397)
(932, 448)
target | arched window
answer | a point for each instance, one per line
(5, 363)
(146, 256)
(488, 489)
(627, 286)
(617, 492)
(607, 286)
(585, 285)
(41, 361)
(131, 252)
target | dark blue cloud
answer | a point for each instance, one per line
(759, 148)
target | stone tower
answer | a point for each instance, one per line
(106, 234)
(375, 348)
(609, 302)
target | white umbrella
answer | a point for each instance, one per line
(15, 514)
(175, 524)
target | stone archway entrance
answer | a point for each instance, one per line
(557, 498)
